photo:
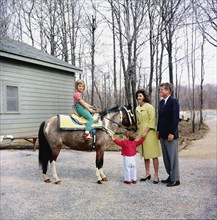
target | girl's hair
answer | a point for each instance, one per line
(78, 82)
(144, 93)
(131, 135)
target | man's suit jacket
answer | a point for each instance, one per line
(168, 118)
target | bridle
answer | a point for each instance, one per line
(128, 112)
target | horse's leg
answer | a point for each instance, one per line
(53, 163)
(102, 174)
(99, 165)
(54, 172)
(46, 178)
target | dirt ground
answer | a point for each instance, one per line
(186, 135)
(24, 195)
(203, 148)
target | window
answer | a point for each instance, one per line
(12, 98)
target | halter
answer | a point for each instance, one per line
(129, 114)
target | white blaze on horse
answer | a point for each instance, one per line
(51, 139)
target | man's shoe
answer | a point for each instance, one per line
(87, 136)
(174, 183)
(168, 180)
(134, 181)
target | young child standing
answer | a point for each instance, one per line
(82, 107)
(128, 152)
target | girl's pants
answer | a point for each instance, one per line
(86, 114)
(129, 168)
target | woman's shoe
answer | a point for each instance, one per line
(146, 178)
(156, 180)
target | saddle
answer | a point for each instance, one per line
(75, 122)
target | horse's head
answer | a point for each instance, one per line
(128, 118)
(122, 116)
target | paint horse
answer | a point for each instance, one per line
(51, 140)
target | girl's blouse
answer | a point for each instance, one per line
(129, 147)
(76, 97)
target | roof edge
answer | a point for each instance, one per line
(39, 62)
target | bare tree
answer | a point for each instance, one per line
(155, 35)
(28, 9)
(60, 29)
(171, 16)
(93, 29)
(4, 17)
(114, 51)
(202, 72)
(193, 73)
(206, 17)
(129, 18)
(74, 26)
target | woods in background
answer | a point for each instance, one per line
(123, 45)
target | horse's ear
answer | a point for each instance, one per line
(101, 117)
(103, 113)
(129, 107)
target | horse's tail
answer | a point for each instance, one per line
(45, 153)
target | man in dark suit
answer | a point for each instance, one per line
(167, 131)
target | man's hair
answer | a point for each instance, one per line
(131, 135)
(167, 86)
(78, 82)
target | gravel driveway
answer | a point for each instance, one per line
(24, 195)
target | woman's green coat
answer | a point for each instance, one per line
(145, 116)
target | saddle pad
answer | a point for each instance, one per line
(74, 122)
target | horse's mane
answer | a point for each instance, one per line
(109, 110)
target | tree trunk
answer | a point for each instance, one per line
(93, 25)
(201, 82)
(114, 54)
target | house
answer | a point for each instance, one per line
(34, 86)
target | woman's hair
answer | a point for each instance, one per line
(167, 86)
(131, 135)
(78, 82)
(144, 93)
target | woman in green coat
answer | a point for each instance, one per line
(146, 121)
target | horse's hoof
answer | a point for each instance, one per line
(99, 182)
(105, 179)
(47, 181)
(58, 182)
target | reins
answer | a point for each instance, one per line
(114, 122)
(120, 125)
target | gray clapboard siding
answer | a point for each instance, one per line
(40, 95)
(44, 90)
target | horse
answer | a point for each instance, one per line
(51, 140)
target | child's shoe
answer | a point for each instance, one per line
(87, 136)
(127, 182)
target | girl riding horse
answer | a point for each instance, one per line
(51, 140)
